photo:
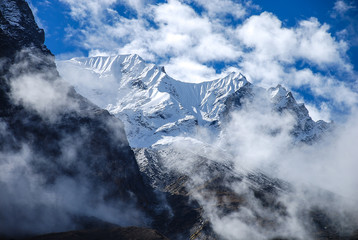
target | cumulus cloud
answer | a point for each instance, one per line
(258, 141)
(191, 43)
(178, 31)
(309, 41)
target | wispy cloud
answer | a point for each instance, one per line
(345, 12)
(218, 9)
(342, 7)
(81, 9)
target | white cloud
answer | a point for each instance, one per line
(189, 71)
(317, 175)
(37, 93)
(80, 9)
(24, 192)
(310, 41)
(329, 164)
(275, 49)
(345, 14)
(320, 113)
(342, 7)
(255, 145)
(220, 8)
(189, 44)
(181, 32)
(136, 4)
(265, 34)
(323, 86)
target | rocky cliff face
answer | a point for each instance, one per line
(62, 159)
(18, 29)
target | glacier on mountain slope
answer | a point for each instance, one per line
(156, 107)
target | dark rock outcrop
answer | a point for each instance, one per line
(18, 29)
(76, 140)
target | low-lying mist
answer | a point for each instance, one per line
(312, 181)
(29, 205)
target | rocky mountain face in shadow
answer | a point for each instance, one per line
(56, 147)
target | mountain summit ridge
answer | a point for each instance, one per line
(154, 105)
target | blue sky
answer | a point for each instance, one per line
(308, 46)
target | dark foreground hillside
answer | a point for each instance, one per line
(134, 233)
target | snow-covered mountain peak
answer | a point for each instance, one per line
(281, 97)
(235, 75)
(278, 92)
(233, 79)
(105, 64)
(152, 104)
